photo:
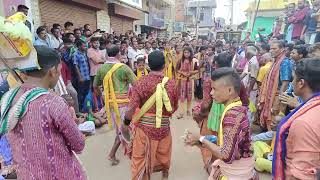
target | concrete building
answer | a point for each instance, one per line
(159, 18)
(180, 15)
(47, 12)
(120, 16)
(144, 16)
(200, 16)
(123, 14)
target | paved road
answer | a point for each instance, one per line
(186, 161)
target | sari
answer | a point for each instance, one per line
(280, 148)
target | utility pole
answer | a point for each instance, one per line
(231, 19)
(255, 15)
(197, 19)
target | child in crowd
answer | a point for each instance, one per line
(141, 69)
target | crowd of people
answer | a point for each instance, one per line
(256, 102)
(299, 22)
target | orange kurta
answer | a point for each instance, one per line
(303, 146)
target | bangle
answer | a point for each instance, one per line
(202, 138)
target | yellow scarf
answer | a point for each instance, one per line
(139, 73)
(110, 96)
(12, 81)
(160, 97)
(169, 63)
(226, 109)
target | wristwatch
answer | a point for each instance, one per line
(202, 138)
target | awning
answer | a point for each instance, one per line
(153, 27)
(120, 10)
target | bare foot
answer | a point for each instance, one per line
(125, 133)
(180, 116)
(188, 113)
(113, 161)
(165, 175)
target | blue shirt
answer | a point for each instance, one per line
(81, 60)
(290, 90)
(286, 68)
(40, 42)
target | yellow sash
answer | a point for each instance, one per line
(160, 97)
(12, 81)
(169, 70)
(226, 109)
(139, 73)
(109, 92)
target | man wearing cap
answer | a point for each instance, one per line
(43, 136)
(153, 100)
(115, 77)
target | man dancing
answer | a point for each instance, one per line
(151, 137)
(234, 158)
(115, 78)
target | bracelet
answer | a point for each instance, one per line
(202, 138)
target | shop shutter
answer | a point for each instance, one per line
(54, 11)
(121, 24)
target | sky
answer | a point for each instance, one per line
(223, 10)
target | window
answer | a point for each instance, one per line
(201, 16)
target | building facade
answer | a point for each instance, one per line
(200, 16)
(48, 12)
(119, 16)
(159, 18)
(180, 15)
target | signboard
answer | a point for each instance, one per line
(178, 27)
(229, 35)
(156, 17)
(136, 3)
